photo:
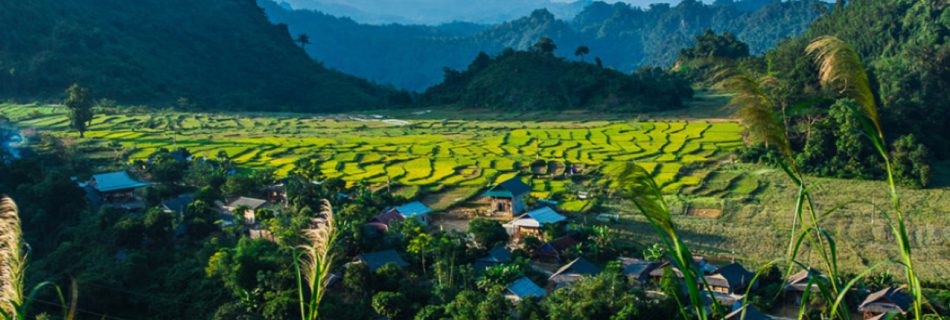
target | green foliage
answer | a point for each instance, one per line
(622, 36)
(711, 45)
(391, 305)
(487, 233)
(221, 54)
(80, 108)
(537, 80)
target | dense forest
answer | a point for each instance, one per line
(909, 72)
(538, 80)
(623, 36)
(175, 53)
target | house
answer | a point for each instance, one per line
(887, 300)
(699, 262)
(251, 205)
(531, 223)
(115, 186)
(751, 313)
(798, 283)
(180, 155)
(496, 256)
(555, 249)
(375, 260)
(572, 272)
(277, 192)
(178, 205)
(522, 289)
(636, 270)
(507, 198)
(730, 279)
(415, 210)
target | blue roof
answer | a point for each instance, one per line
(115, 181)
(524, 287)
(508, 189)
(497, 255)
(545, 215)
(413, 209)
(375, 260)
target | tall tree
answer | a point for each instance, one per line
(303, 39)
(545, 45)
(80, 107)
(581, 52)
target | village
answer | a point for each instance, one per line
(547, 247)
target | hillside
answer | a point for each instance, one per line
(431, 12)
(215, 54)
(623, 36)
(534, 80)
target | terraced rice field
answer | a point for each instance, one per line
(426, 156)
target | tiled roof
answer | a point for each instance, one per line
(413, 209)
(524, 287)
(636, 267)
(375, 260)
(733, 276)
(115, 181)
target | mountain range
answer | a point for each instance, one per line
(211, 54)
(620, 35)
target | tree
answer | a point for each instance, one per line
(487, 233)
(545, 45)
(303, 39)
(391, 305)
(421, 244)
(80, 108)
(581, 52)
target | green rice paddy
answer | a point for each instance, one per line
(422, 157)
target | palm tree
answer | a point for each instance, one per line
(313, 263)
(581, 52)
(303, 39)
(840, 71)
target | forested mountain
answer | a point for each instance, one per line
(622, 36)
(211, 53)
(903, 48)
(537, 80)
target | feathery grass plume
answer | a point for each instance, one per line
(756, 108)
(635, 183)
(840, 70)
(12, 258)
(313, 263)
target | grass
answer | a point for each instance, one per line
(430, 153)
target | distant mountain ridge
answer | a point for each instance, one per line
(435, 12)
(210, 54)
(622, 36)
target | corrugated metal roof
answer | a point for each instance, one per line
(524, 287)
(508, 189)
(545, 215)
(115, 181)
(375, 260)
(413, 209)
(252, 203)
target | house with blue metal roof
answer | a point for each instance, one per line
(507, 198)
(532, 222)
(414, 210)
(523, 288)
(115, 186)
(375, 260)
